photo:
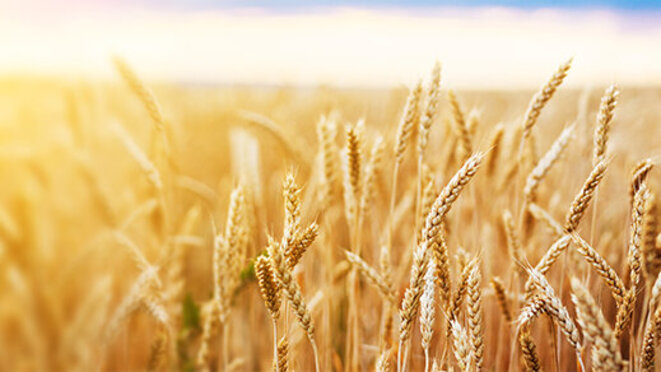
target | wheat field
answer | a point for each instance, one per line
(156, 226)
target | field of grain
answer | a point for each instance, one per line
(160, 226)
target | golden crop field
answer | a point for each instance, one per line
(157, 226)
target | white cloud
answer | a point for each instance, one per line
(478, 48)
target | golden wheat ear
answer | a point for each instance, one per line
(596, 330)
(543, 96)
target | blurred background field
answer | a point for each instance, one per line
(242, 90)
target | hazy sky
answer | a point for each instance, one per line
(343, 43)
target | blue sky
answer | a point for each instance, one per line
(299, 4)
(340, 42)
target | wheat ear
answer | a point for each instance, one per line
(540, 98)
(513, 241)
(475, 317)
(383, 362)
(373, 276)
(147, 98)
(651, 255)
(639, 175)
(596, 330)
(544, 216)
(608, 274)
(268, 286)
(545, 163)
(529, 351)
(326, 133)
(495, 146)
(557, 310)
(301, 244)
(455, 306)
(462, 350)
(548, 260)
(371, 172)
(283, 355)
(411, 302)
(430, 111)
(293, 293)
(650, 340)
(409, 120)
(582, 200)
(501, 297)
(460, 122)
(604, 119)
(634, 256)
(427, 312)
(447, 197)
